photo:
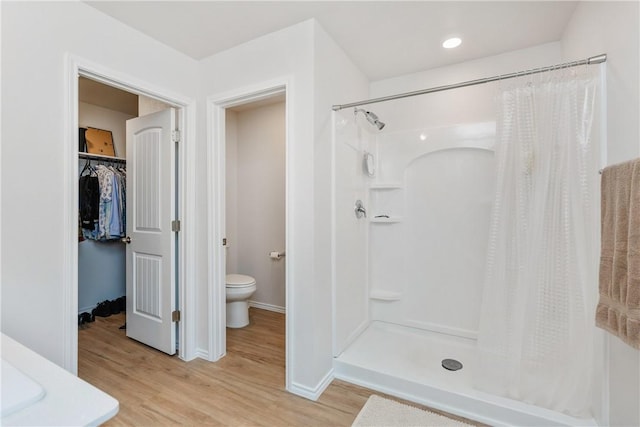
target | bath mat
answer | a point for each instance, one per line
(379, 412)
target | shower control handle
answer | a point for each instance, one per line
(360, 210)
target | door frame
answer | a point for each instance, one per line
(79, 67)
(216, 204)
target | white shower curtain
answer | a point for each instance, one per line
(536, 328)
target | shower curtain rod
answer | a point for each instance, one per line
(589, 61)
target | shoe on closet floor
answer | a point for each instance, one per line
(84, 318)
(103, 309)
(121, 303)
(114, 306)
(87, 317)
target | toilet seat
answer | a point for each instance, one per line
(239, 281)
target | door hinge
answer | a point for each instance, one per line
(175, 226)
(175, 136)
(224, 241)
(175, 316)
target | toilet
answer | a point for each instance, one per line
(239, 289)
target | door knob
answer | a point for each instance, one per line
(126, 240)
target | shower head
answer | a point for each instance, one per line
(371, 117)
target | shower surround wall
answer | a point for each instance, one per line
(350, 235)
(414, 298)
(426, 259)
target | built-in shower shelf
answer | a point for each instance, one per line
(385, 295)
(386, 220)
(386, 186)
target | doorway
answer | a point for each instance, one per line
(183, 162)
(255, 153)
(224, 219)
(127, 249)
(101, 261)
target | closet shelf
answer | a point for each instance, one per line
(83, 155)
(385, 295)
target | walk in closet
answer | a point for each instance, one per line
(102, 192)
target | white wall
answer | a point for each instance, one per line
(256, 212)
(613, 28)
(35, 39)
(148, 105)
(464, 105)
(336, 78)
(102, 118)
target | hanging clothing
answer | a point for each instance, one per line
(108, 215)
(122, 174)
(115, 223)
(89, 201)
(121, 182)
(105, 179)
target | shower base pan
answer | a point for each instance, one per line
(407, 363)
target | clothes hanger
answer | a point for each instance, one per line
(87, 167)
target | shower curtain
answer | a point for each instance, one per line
(536, 329)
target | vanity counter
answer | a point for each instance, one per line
(67, 400)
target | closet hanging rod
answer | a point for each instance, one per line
(101, 158)
(589, 61)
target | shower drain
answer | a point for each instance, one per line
(451, 364)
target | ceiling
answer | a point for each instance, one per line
(93, 92)
(274, 99)
(383, 38)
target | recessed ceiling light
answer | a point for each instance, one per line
(451, 43)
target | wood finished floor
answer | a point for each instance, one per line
(245, 388)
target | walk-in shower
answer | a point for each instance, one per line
(409, 278)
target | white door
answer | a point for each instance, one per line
(151, 242)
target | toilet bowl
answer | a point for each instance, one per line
(239, 289)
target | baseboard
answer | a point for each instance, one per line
(201, 353)
(270, 307)
(311, 393)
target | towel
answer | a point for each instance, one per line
(618, 310)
